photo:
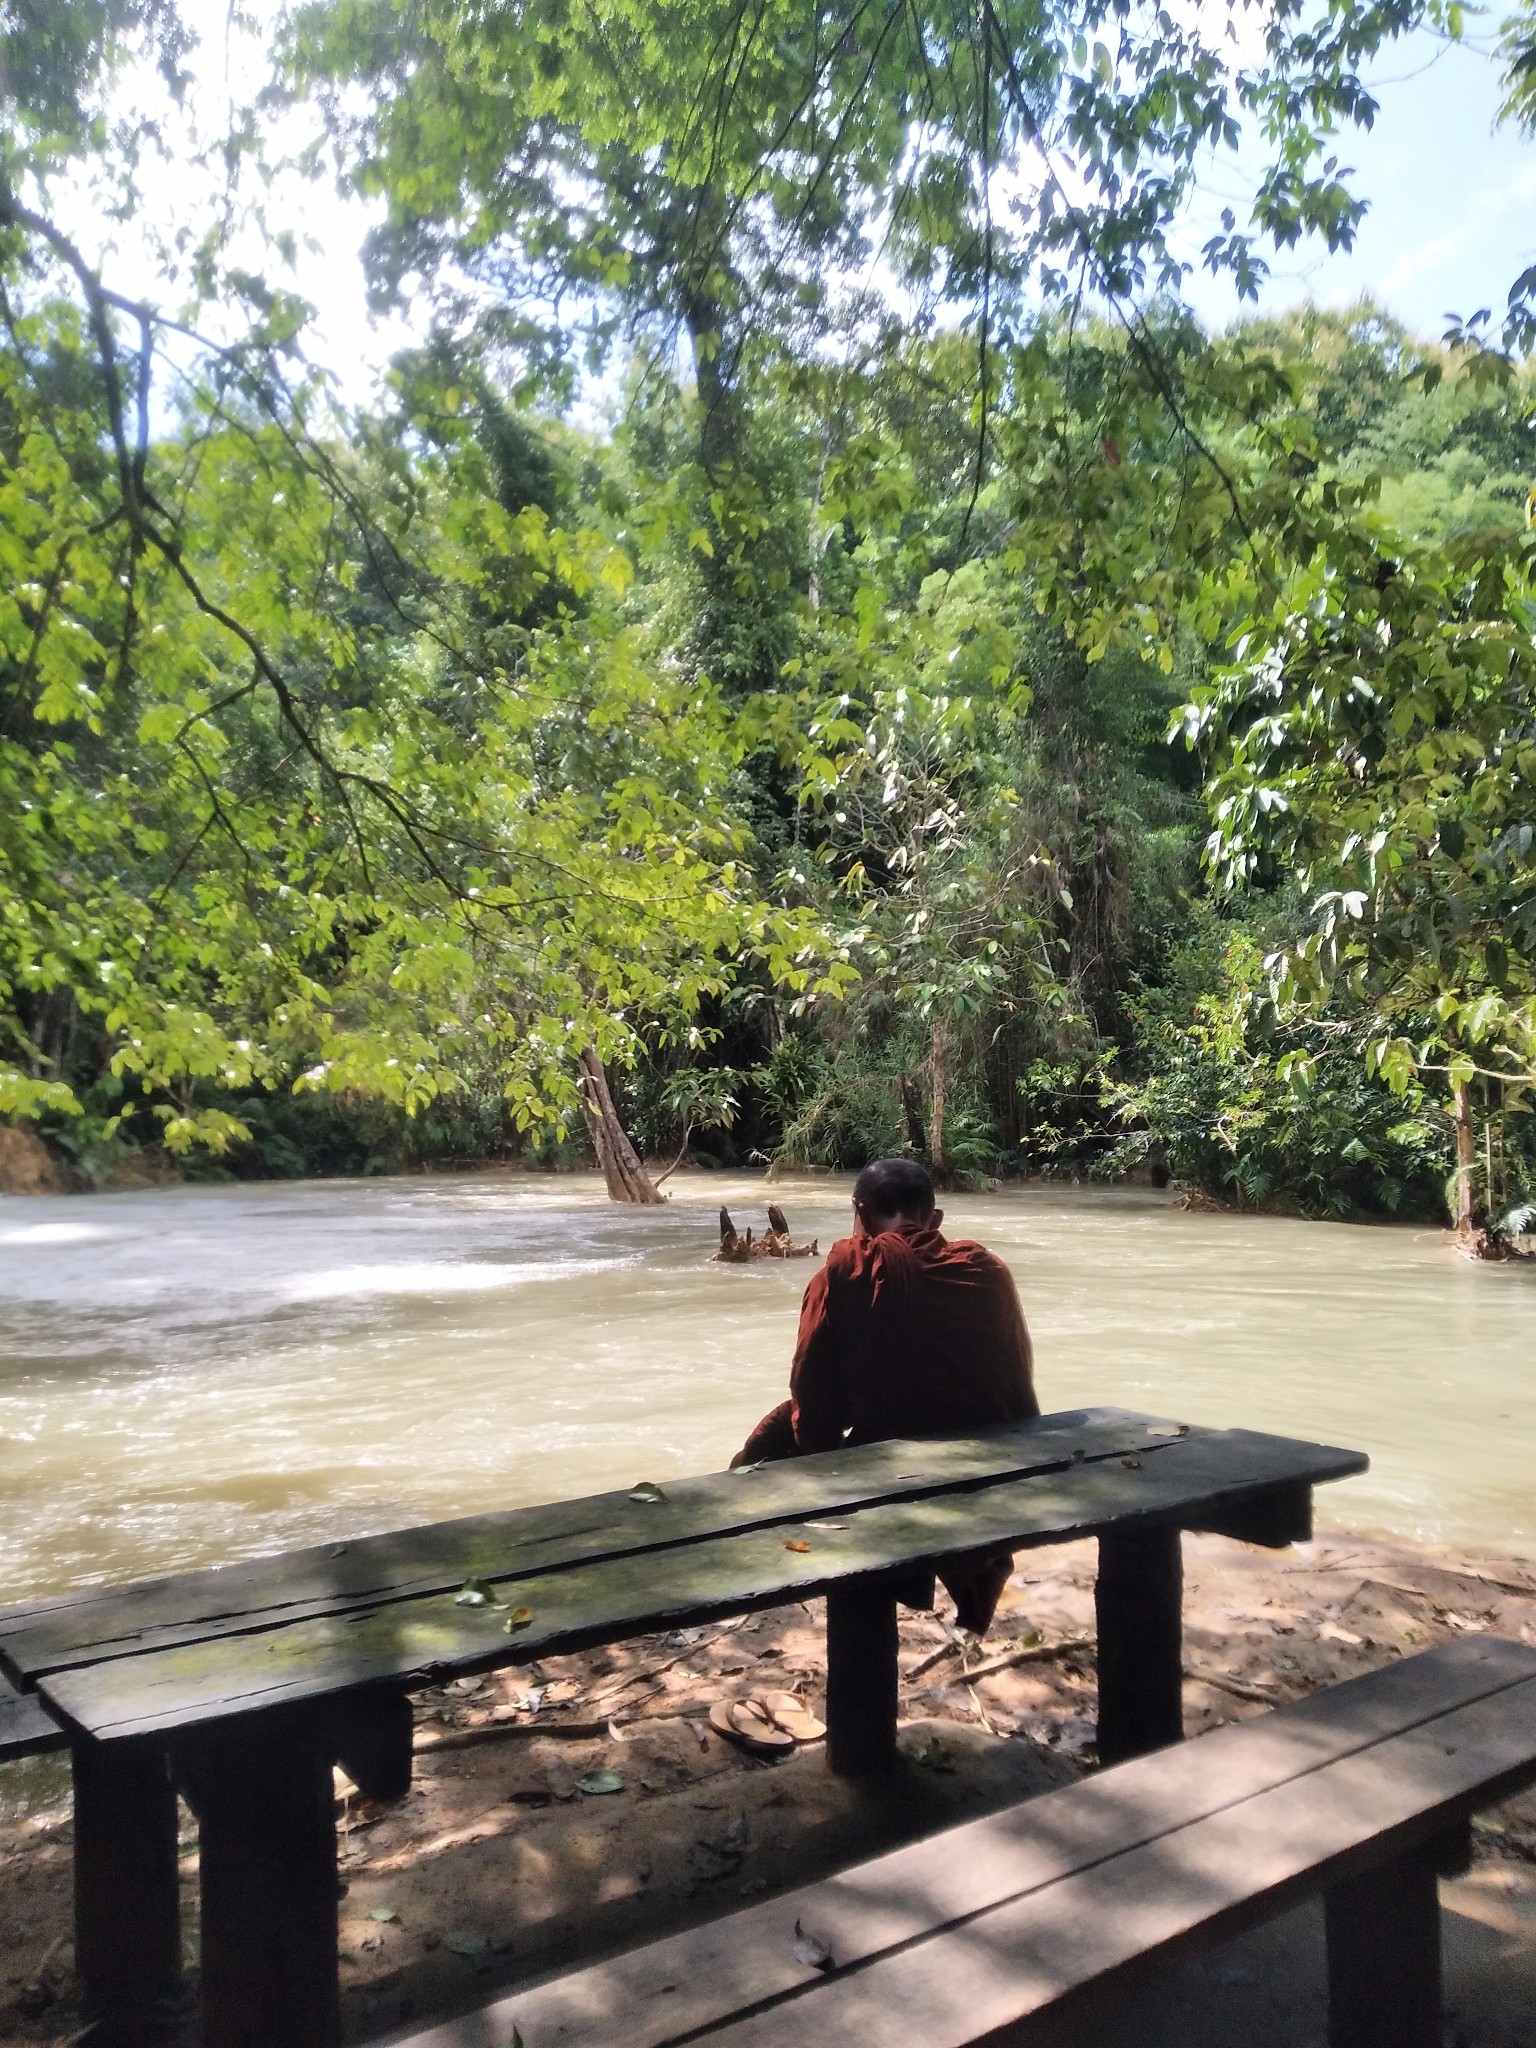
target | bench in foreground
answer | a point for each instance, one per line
(993, 1931)
(243, 1686)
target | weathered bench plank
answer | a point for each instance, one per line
(588, 1604)
(99, 1622)
(26, 1726)
(1205, 1881)
(969, 1931)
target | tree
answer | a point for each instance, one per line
(561, 178)
(1376, 735)
(295, 793)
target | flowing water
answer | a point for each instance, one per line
(199, 1374)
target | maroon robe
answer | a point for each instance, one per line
(907, 1335)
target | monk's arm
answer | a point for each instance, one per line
(818, 1386)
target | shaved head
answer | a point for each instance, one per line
(895, 1187)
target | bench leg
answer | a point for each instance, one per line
(127, 1906)
(1139, 1600)
(373, 1742)
(265, 1806)
(861, 1680)
(1384, 1958)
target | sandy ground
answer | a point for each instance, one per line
(500, 1866)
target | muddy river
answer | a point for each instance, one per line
(198, 1374)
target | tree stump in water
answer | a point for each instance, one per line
(738, 1250)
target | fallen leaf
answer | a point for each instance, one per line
(383, 1913)
(472, 1946)
(797, 1546)
(811, 1950)
(647, 1490)
(826, 1525)
(1131, 1464)
(1169, 1429)
(518, 1618)
(1332, 1633)
(476, 1593)
(600, 1781)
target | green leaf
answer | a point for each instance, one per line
(599, 1782)
(477, 1593)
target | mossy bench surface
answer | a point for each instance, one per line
(981, 1927)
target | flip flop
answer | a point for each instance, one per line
(748, 1725)
(792, 1715)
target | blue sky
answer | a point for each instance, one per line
(1452, 218)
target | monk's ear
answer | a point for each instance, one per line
(935, 1219)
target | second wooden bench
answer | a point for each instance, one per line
(996, 1930)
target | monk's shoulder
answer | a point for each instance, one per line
(845, 1257)
(850, 1266)
(967, 1252)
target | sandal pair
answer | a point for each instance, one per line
(766, 1724)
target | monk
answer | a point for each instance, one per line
(904, 1333)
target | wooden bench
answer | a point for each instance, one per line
(26, 1726)
(244, 1685)
(1002, 1929)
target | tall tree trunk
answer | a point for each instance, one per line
(911, 1112)
(627, 1179)
(1466, 1156)
(938, 1085)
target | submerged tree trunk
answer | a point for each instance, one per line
(938, 1084)
(627, 1179)
(1466, 1156)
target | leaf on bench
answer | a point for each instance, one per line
(476, 1593)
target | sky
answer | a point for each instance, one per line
(1451, 220)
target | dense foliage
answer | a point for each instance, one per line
(956, 705)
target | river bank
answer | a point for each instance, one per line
(498, 1866)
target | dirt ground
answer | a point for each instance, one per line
(501, 1864)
